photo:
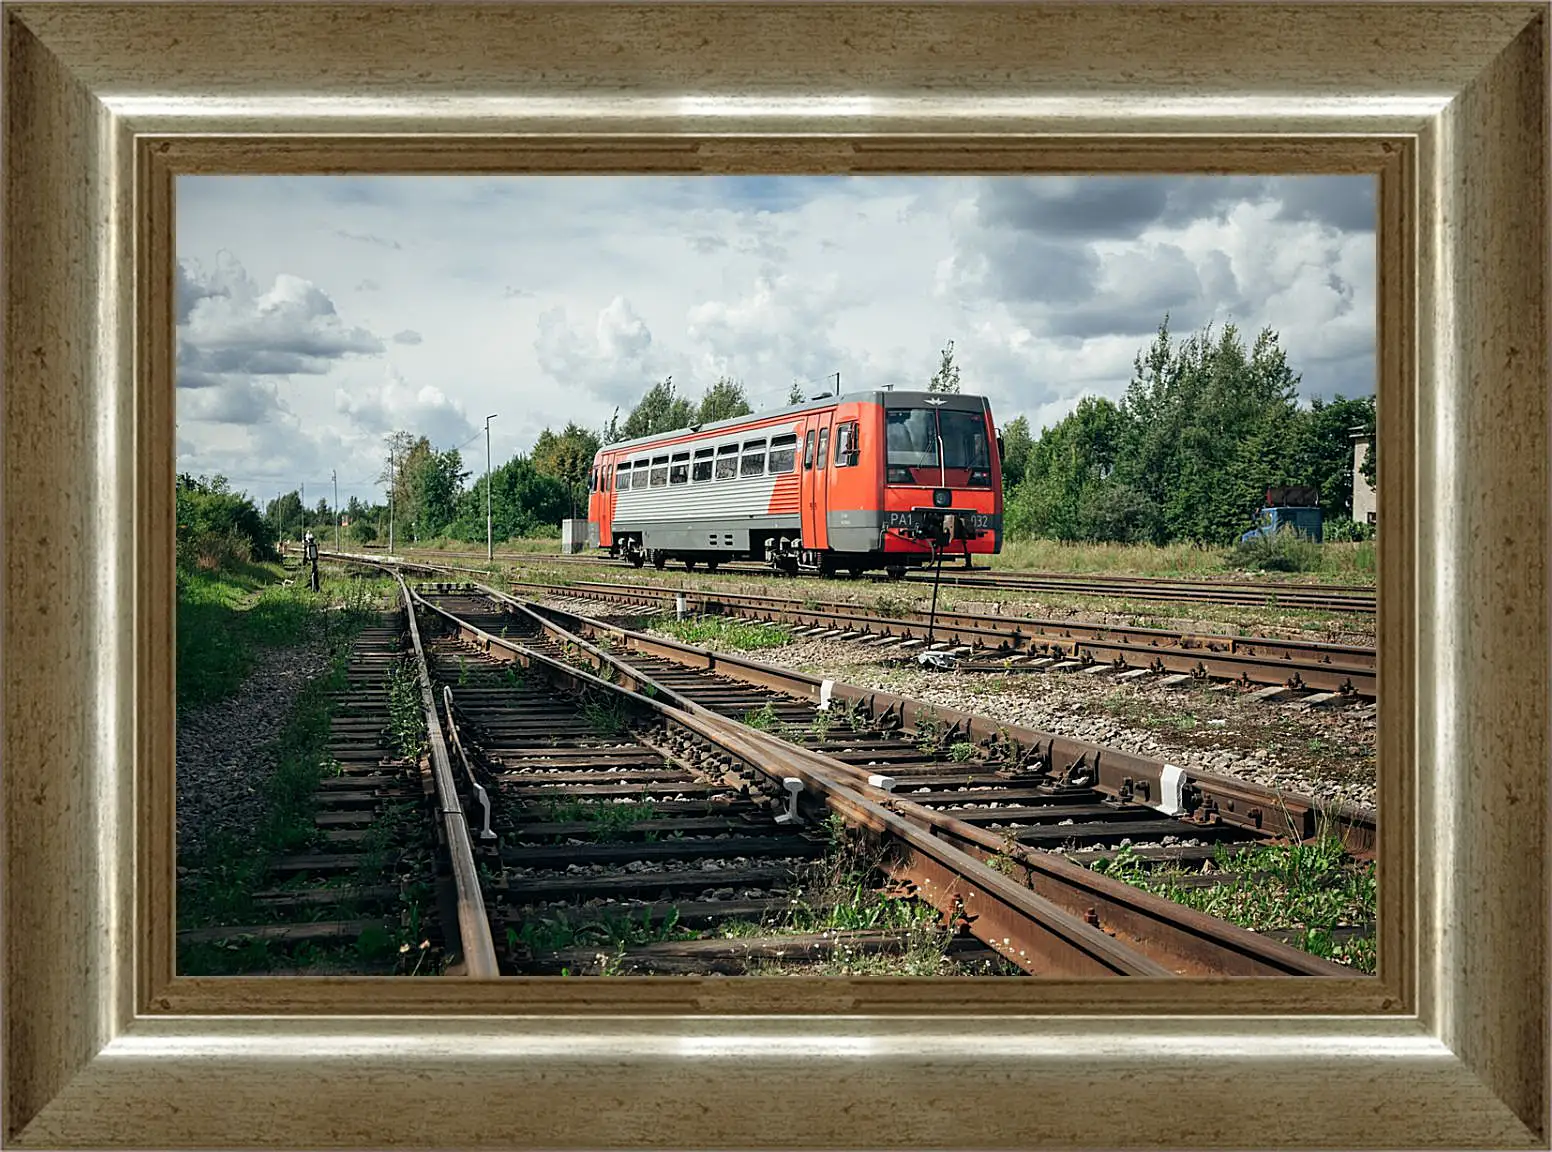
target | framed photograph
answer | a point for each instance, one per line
(131, 136)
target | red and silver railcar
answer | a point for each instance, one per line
(863, 481)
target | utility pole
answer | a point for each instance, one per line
(334, 479)
(391, 487)
(304, 508)
(490, 545)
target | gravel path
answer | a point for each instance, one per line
(225, 750)
(1327, 753)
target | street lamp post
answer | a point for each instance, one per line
(490, 546)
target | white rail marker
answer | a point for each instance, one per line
(825, 688)
(1172, 782)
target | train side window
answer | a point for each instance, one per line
(808, 450)
(824, 444)
(784, 455)
(679, 468)
(727, 461)
(846, 445)
(659, 474)
(622, 475)
(753, 462)
(640, 475)
(701, 468)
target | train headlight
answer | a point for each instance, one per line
(942, 497)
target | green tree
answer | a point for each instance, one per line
(795, 393)
(723, 400)
(660, 410)
(285, 515)
(1208, 426)
(1016, 446)
(568, 457)
(1068, 459)
(946, 379)
(428, 486)
(216, 526)
(523, 502)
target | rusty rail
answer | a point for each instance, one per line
(479, 951)
(1066, 930)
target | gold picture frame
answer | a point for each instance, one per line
(1447, 104)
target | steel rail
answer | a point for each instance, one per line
(1358, 656)
(1347, 669)
(1358, 598)
(1193, 942)
(1029, 930)
(479, 950)
(1207, 795)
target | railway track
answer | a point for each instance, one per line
(1000, 643)
(1019, 813)
(584, 799)
(1355, 598)
(364, 883)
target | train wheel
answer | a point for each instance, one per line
(711, 565)
(659, 558)
(895, 573)
(636, 559)
(689, 565)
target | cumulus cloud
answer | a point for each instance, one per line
(228, 329)
(1080, 258)
(615, 360)
(377, 408)
(1049, 287)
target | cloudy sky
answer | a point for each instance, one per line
(317, 314)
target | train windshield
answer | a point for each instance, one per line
(913, 436)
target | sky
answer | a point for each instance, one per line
(317, 314)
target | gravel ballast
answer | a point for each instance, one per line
(226, 750)
(1327, 753)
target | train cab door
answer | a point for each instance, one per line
(816, 474)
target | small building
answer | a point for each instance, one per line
(1365, 503)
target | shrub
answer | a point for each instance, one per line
(1345, 531)
(1286, 550)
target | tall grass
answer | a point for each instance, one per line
(1345, 562)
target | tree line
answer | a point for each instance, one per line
(1205, 427)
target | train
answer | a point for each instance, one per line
(841, 484)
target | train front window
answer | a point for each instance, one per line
(914, 437)
(964, 440)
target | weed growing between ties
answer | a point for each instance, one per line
(606, 820)
(843, 891)
(726, 632)
(1312, 894)
(406, 712)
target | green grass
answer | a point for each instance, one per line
(1309, 889)
(1336, 562)
(225, 618)
(726, 631)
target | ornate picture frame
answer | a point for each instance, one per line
(1446, 104)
